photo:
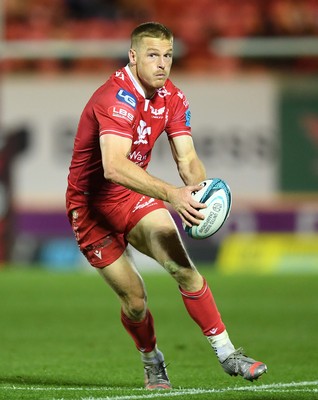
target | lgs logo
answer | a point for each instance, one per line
(126, 97)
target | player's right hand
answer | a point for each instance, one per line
(185, 205)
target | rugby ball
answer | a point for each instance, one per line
(216, 194)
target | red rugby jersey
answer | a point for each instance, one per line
(119, 107)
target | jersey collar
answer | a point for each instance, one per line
(134, 81)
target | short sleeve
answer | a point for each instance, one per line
(179, 122)
(114, 119)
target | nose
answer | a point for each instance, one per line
(162, 63)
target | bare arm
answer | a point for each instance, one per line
(119, 169)
(190, 167)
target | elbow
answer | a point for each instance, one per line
(110, 173)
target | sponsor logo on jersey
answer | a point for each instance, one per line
(137, 157)
(126, 97)
(163, 92)
(188, 117)
(157, 112)
(142, 203)
(120, 75)
(143, 131)
(182, 97)
(121, 112)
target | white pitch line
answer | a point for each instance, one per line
(274, 387)
(278, 388)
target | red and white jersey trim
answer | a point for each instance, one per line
(112, 131)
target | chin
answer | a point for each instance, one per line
(158, 84)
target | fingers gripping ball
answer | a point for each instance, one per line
(216, 194)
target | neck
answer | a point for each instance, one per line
(148, 93)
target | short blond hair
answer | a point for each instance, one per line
(152, 30)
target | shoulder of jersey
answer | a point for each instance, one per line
(112, 83)
(108, 90)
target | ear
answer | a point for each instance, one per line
(132, 56)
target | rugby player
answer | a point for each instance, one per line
(112, 200)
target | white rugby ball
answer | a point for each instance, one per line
(216, 194)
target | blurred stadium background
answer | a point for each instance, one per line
(249, 69)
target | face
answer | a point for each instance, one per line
(151, 62)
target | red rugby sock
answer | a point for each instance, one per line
(203, 310)
(143, 332)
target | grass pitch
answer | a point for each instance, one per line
(61, 338)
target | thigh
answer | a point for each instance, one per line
(124, 279)
(157, 236)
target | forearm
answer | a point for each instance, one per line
(192, 172)
(130, 175)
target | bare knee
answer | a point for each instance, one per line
(127, 283)
(134, 307)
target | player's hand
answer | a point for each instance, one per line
(185, 205)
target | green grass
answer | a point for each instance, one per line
(61, 338)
